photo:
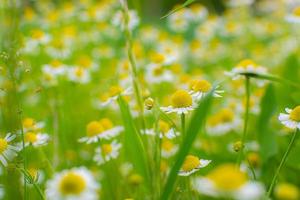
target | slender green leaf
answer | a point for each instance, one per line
(267, 139)
(185, 4)
(133, 143)
(197, 122)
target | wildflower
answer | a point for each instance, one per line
(192, 164)
(103, 128)
(29, 124)
(295, 16)
(237, 146)
(135, 179)
(79, 75)
(229, 182)
(247, 66)
(35, 139)
(292, 118)
(55, 68)
(107, 152)
(182, 103)
(199, 88)
(287, 191)
(113, 94)
(168, 148)
(7, 151)
(76, 183)
(158, 74)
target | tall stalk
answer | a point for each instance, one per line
(246, 119)
(286, 154)
(132, 62)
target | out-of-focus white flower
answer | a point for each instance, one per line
(192, 164)
(118, 20)
(295, 16)
(36, 139)
(73, 184)
(291, 119)
(107, 152)
(7, 151)
(55, 68)
(79, 75)
(168, 148)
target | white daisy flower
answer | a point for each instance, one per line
(107, 152)
(228, 181)
(113, 94)
(8, 151)
(246, 66)
(237, 3)
(179, 21)
(55, 68)
(102, 129)
(199, 88)
(73, 184)
(168, 148)
(295, 16)
(291, 119)
(36, 139)
(79, 75)
(182, 103)
(165, 130)
(158, 74)
(197, 12)
(192, 164)
(286, 191)
(29, 124)
(86, 62)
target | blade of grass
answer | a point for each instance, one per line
(133, 142)
(185, 4)
(197, 122)
(267, 140)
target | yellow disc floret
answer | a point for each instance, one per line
(164, 127)
(247, 62)
(106, 148)
(3, 145)
(295, 114)
(30, 137)
(106, 123)
(287, 191)
(72, 184)
(201, 86)
(94, 128)
(296, 11)
(167, 145)
(181, 99)
(191, 162)
(228, 177)
(28, 123)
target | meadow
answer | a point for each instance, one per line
(102, 100)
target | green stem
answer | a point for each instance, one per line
(38, 189)
(246, 119)
(292, 142)
(183, 124)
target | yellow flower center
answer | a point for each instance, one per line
(115, 90)
(3, 145)
(94, 128)
(228, 177)
(286, 191)
(30, 137)
(55, 63)
(28, 123)
(84, 61)
(245, 63)
(33, 173)
(157, 58)
(191, 162)
(167, 145)
(72, 184)
(181, 99)
(135, 179)
(296, 11)
(164, 127)
(106, 123)
(201, 86)
(37, 34)
(106, 148)
(295, 114)
(158, 71)
(226, 115)
(79, 72)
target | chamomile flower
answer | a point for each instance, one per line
(96, 130)
(181, 103)
(158, 74)
(291, 119)
(166, 130)
(113, 94)
(247, 66)
(119, 21)
(199, 88)
(228, 181)
(168, 148)
(223, 122)
(55, 68)
(36, 139)
(73, 184)
(295, 16)
(7, 151)
(78, 75)
(192, 164)
(107, 152)
(29, 124)
(286, 191)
